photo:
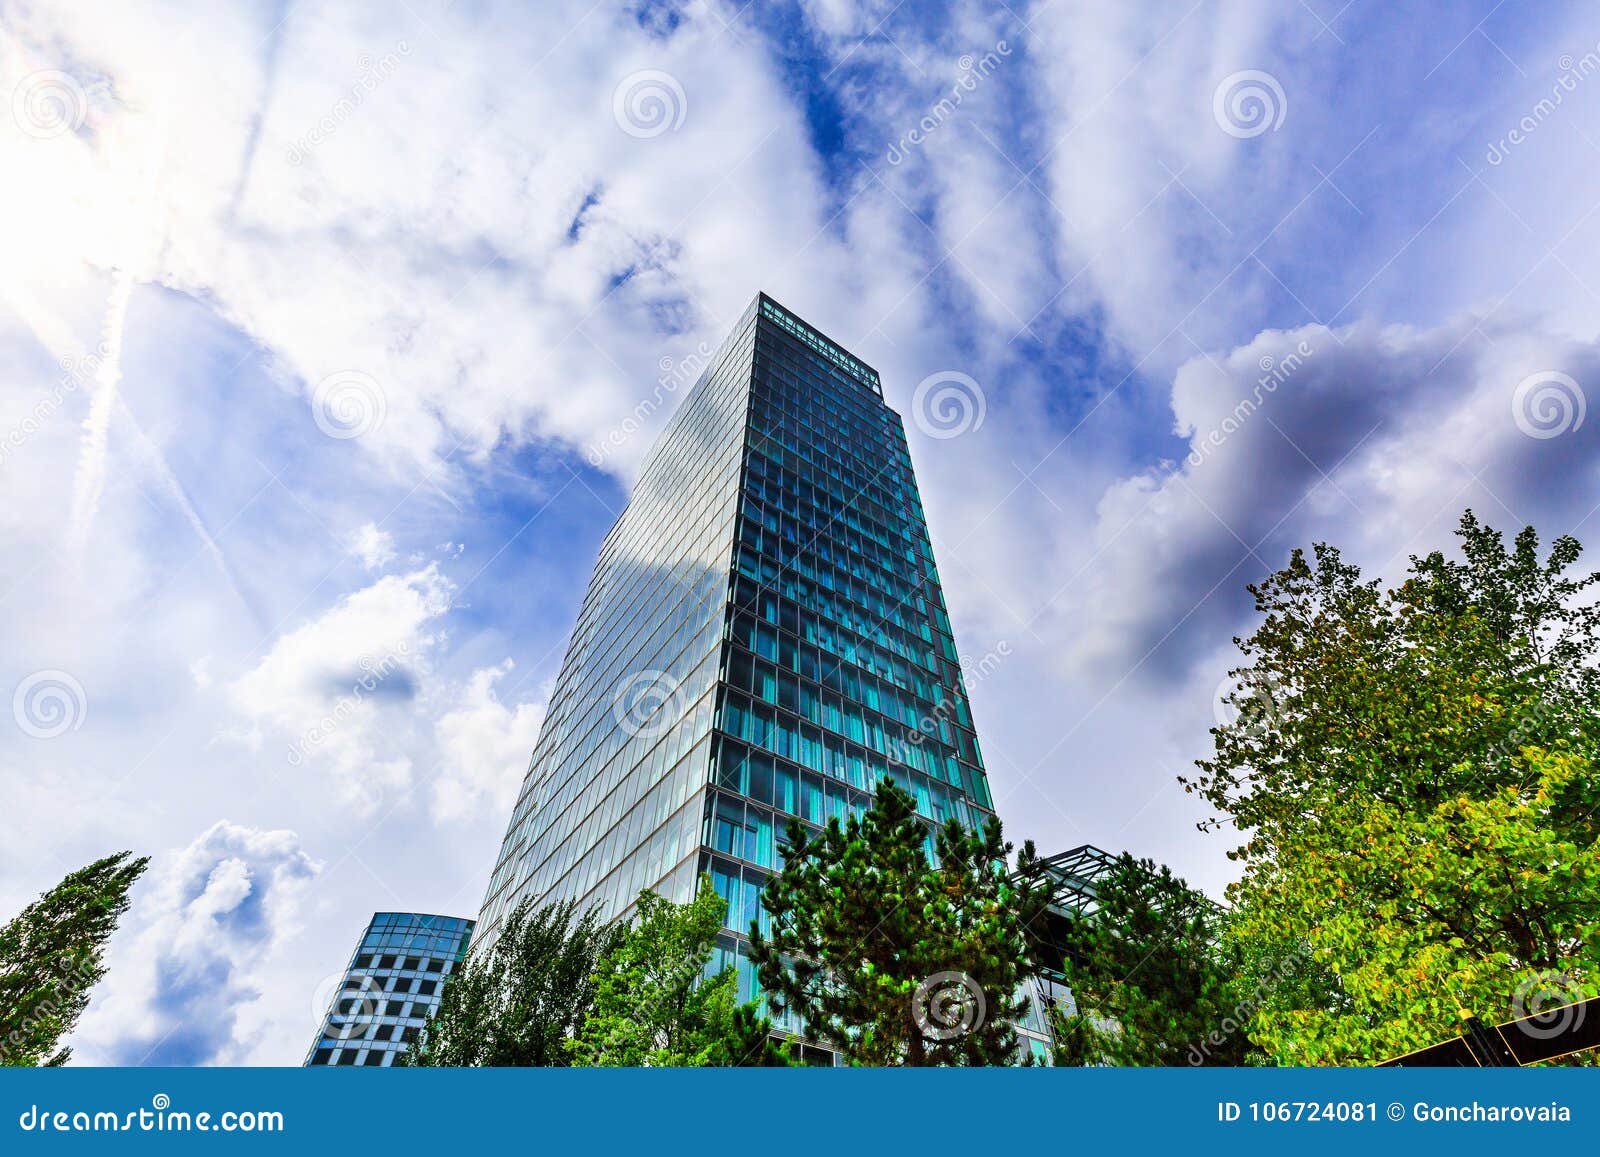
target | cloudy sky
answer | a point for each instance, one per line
(322, 327)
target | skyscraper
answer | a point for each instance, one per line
(391, 986)
(764, 637)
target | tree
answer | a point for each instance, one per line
(1153, 978)
(1411, 772)
(51, 956)
(895, 958)
(654, 1004)
(518, 1003)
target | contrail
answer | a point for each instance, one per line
(158, 465)
(91, 477)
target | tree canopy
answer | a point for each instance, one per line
(519, 1002)
(654, 1004)
(1411, 771)
(893, 955)
(52, 955)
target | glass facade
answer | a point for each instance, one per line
(392, 985)
(764, 638)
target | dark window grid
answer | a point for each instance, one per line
(942, 642)
(873, 623)
(737, 770)
(855, 458)
(815, 436)
(892, 530)
(898, 691)
(848, 458)
(844, 646)
(951, 771)
(882, 488)
(871, 485)
(900, 567)
(805, 337)
(772, 514)
(775, 373)
(814, 569)
(835, 686)
(822, 694)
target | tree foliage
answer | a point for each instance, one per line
(518, 1003)
(654, 1004)
(1411, 772)
(51, 956)
(1154, 981)
(894, 957)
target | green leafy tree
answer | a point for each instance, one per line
(1153, 979)
(1411, 770)
(51, 956)
(518, 1003)
(655, 1006)
(895, 958)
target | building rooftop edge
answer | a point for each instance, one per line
(868, 372)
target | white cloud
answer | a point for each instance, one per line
(483, 748)
(344, 689)
(197, 951)
(1374, 438)
(373, 548)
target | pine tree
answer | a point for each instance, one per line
(1153, 979)
(52, 955)
(896, 958)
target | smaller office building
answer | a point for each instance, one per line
(390, 988)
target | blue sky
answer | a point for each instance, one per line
(311, 317)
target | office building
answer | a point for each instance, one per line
(391, 986)
(764, 637)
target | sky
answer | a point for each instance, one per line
(330, 337)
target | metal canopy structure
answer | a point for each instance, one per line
(1076, 873)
